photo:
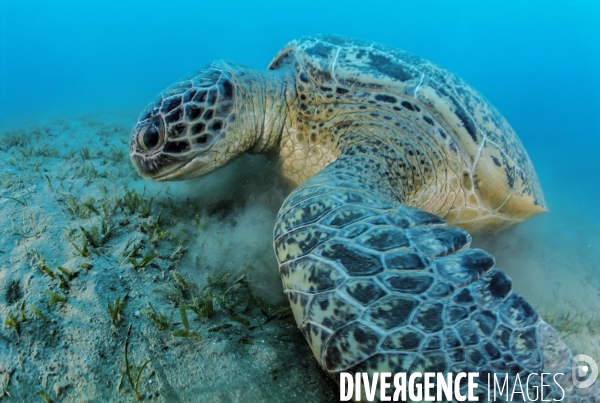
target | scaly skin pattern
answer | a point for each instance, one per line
(458, 156)
(206, 119)
(376, 286)
(386, 149)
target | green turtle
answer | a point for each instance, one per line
(394, 159)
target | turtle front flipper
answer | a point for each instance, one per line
(376, 286)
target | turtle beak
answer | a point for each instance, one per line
(198, 166)
(153, 166)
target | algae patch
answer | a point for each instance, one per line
(88, 249)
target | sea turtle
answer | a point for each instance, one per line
(394, 158)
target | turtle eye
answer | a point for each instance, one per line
(150, 137)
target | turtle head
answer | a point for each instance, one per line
(188, 130)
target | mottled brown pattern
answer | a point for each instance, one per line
(450, 151)
(382, 144)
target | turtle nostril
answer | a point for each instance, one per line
(151, 137)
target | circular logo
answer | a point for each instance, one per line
(580, 372)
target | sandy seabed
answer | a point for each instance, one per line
(194, 265)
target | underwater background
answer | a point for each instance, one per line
(74, 76)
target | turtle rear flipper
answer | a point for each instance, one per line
(376, 286)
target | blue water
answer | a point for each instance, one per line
(537, 61)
